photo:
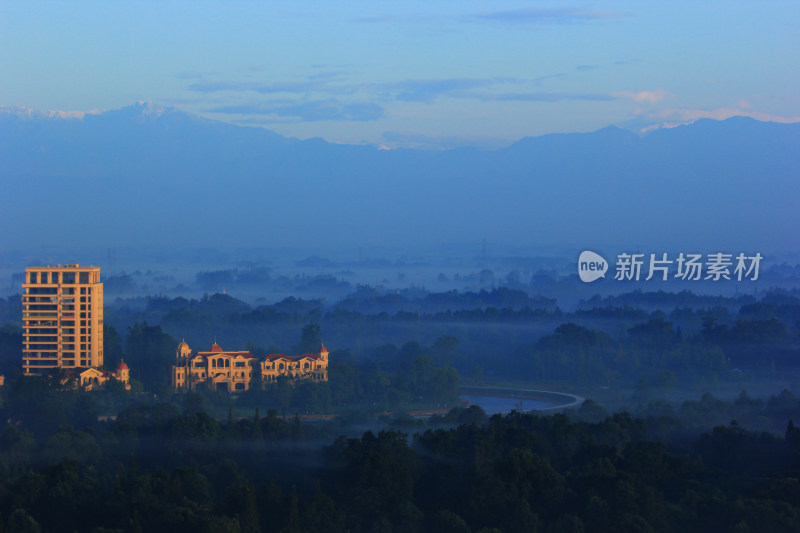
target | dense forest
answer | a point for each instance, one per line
(702, 465)
(151, 459)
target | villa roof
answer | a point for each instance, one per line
(276, 356)
(245, 354)
(78, 371)
(216, 350)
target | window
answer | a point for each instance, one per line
(44, 290)
(44, 331)
(43, 307)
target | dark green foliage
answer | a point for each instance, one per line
(156, 468)
(310, 340)
(672, 340)
(398, 380)
(703, 465)
(373, 475)
(10, 349)
(149, 352)
(112, 347)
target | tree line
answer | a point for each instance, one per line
(165, 466)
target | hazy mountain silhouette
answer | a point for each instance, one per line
(145, 174)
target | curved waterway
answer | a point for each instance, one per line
(497, 405)
(498, 400)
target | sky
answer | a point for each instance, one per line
(409, 74)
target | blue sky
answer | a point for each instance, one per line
(434, 74)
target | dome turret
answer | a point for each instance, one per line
(183, 350)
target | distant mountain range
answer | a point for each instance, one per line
(146, 174)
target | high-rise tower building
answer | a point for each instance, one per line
(62, 318)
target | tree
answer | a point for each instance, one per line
(444, 349)
(374, 474)
(148, 350)
(112, 347)
(10, 348)
(240, 501)
(22, 522)
(310, 340)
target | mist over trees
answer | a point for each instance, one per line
(706, 464)
(113, 460)
(604, 344)
(650, 341)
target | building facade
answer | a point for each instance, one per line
(239, 371)
(93, 378)
(62, 324)
(62, 318)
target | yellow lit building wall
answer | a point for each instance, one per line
(62, 318)
(236, 371)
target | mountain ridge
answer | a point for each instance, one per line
(118, 175)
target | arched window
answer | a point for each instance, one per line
(305, 366)
(227, 363)
(280, 367)
(213, 363)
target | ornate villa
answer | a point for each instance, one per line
(237, 371)
(92, 378)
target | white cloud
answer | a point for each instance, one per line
(649, 97)
(27, 112)
(73, 114)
